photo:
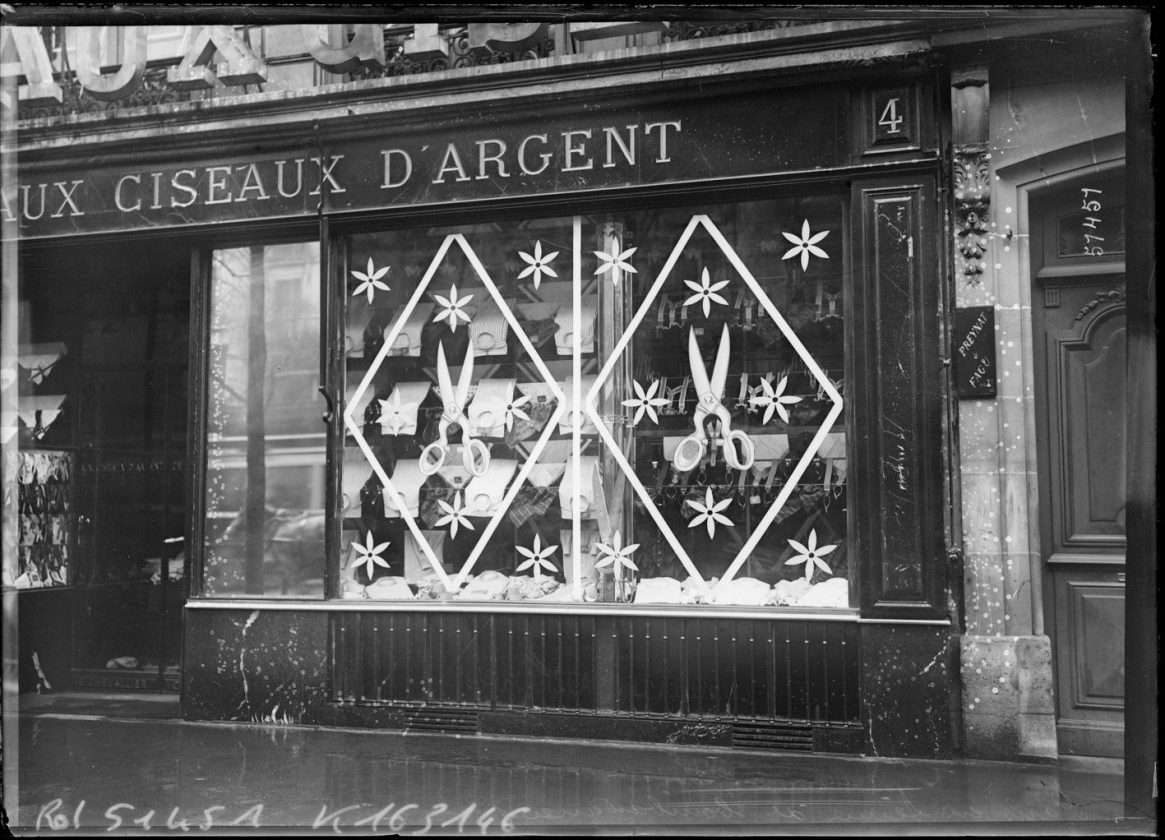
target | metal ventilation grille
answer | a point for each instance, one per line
(773, 736)
(441, 720)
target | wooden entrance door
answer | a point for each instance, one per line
(1079, 340)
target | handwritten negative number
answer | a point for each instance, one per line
(1091, 206)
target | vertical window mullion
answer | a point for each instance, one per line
(577, 400)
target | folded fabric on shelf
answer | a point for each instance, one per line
(417, 564)
(788, 592)
(829, 593)
(585, 562)
(661, 590)
(431, 511)
(390, 588)
(360, 410)
(488, 329)
(587, 479)
(487, 412)
(407, 479)
(743, 592)
(357, 470)
(531, 503)
(408, 339)
(568, 324)
(488, 586)
(573, 412)
(484, 495)
(544, 475)
(524, 428)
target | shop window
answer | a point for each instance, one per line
(642, 408)
(265, 463)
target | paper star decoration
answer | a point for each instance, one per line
(710, 513)
(370, 280)
(805, 245)
(395, 414)
(452, 308)
(537, 264)
(514, 407)
(810, 556)
(369, 555)
(618, 261)
(774, 400)
(705, 292)
(537, 558)
(645, 402)
(454, 517)
(616, 554)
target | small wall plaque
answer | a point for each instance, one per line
(975, 368)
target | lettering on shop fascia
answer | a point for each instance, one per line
(491, 158)
(220, 54)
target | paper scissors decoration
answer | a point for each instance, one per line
(692, 448)
(475, 454)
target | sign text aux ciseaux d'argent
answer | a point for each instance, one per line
(496, 155)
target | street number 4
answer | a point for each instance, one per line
(891, 119)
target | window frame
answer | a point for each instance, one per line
(838, 186)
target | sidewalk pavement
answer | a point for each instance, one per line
(124, 762)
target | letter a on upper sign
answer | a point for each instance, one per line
(23, 53)
(366, 49)
(133, 64)
(241, 67)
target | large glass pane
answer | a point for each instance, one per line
(729, 425)
(265, 443)
(638, 502)
(440, 502)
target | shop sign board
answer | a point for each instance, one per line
(975, 373)
(463, 156)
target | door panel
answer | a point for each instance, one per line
(1087, 401)
(1080, 347)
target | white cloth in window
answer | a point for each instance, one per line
(361, 407)
(356, 473)
(768, 447)
(584, 324)
(417, 565)
(488, 329)
(544, 475)
(743, 592)
(408, 340)
(398, 413)
(588, 480)
(484, 495)
(832, 593)
(390, 588)
(487, 412)
(407, 478)
(572, 412)
(661, 590)
(833, 451)
(488, 586)
(588, 557)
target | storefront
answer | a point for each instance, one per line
(607, 395)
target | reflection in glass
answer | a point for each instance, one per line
(265, 443)
(658, 522)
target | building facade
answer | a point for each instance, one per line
(755, 384)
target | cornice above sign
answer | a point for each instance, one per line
(215, 57)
